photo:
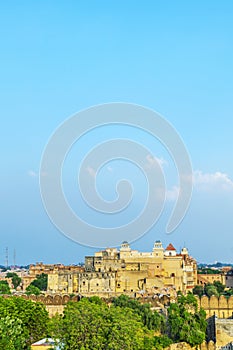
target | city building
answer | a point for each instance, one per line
(205, 278)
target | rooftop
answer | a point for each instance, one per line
(170, 247)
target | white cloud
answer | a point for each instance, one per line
(152, 161)
(110, 169)
(172, 194)
(212, 181)
(205, 182)
(32, 173)
(91, 171)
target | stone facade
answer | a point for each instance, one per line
(203, 279)
(221, 307)
(50, 269)
(220, 331)
(185, 346)
(113, 272)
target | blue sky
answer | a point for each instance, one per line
(59, 57)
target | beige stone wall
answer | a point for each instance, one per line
(224, 332)
(210, 278)
(96, 282)
(221, 307)
(185, 346)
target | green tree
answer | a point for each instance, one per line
(41, 282)
(16, 280)
(91, 324)
(4, 287)
(32, 290)
(185, 322)
(198, 290)
(208, 271)
(161, 342)
(33, 318)
(12, 336)
(126, 330)
(84, 325)
(151, 319)
(210, 290)
(220, 287)
(228, 292)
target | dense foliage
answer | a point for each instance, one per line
(11, 334)
(41, 282)
(150, 319)
(209, 289)
(124, 324)
(16, 280)
(208, 271)
(185, 322)
(32, 290)
(38, 285)
(4, 287)
(91, 324)
(22, 322)
(127, 324)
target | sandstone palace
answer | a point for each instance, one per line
(113, 272)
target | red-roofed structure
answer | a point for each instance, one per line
(170, 247)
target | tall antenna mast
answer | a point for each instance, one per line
(14, 257)
(7, 257)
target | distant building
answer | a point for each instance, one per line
(229, 279)
(45, 344)
(39, 268)
(113, 271)
(205, 278)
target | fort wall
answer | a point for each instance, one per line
(221, 307)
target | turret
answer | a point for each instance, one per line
(125, 247)
(184, 251)
(170, 250)
(158, 249)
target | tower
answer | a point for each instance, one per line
(14, 259)
(7, 258)
(158, 249)
(125, 247)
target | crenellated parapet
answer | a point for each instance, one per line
(52, 299)
(222, 307)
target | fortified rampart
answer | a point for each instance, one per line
(221, 307)
(54, 304)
